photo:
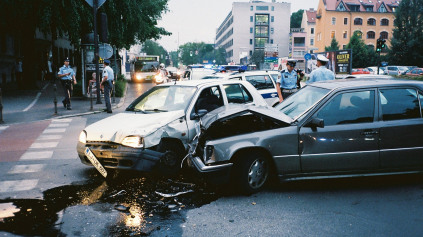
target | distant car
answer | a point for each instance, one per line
(196, 73)
(162, 120)
(415, 72)
(373, 70)
(173, 73)
(360, 71)
(330, 129)
(368, 76)
(395, 70)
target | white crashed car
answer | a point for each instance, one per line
(153, 132)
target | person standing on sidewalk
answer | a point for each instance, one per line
(67, 76)
(107, 82)
(321, 73)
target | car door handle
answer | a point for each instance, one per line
(369, 132)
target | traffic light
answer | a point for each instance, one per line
(103, 28)
(190, 53)
(380, 44)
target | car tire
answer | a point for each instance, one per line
(250, 173)
(170, 163)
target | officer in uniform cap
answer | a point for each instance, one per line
(321, 73)
(67, 77)
(288, 80)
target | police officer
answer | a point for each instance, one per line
(321, 73)
(107, 82)
(288, 79)
(67, 77)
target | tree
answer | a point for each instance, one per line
(193, 53)
(257, 58)
(129, 22)
(153, 48)
(406, 43)
(333, 45)
(359, 50)
(296, 19)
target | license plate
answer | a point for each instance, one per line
(95, 162)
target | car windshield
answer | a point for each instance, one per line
(298, 103)
(163, 99)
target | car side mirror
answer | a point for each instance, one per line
(200, 113)
(316, 123)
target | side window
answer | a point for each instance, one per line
(210, 98)
(349, 108)
(238, 94)
(260, 82)
(399, 104)
(236, 78)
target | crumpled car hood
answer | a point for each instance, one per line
(234, 109)
(115, 128)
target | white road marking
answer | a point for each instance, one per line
(55, 130)
(39, 155)
(46, 86)
(18, 185)
(67, 120)
(38, 145)
(3, 128)
(58, 125)
(33, 102)
(19, 169)
(49, 137)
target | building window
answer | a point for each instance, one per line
(354, 8)
(298, 53)
(384, 35)
(371, 47)
(251, 41)
(333, 20)
(345, 34)
(341, 7)
(273, 8)
(251, 29)
(271, 41)
(271, 30)
(371, 35)
(311, 41)
(359, 33)
(262, 19)
(312, 31)
(251, 8)
(332, 34)
(369, 9)
(262, 31)
(251, 52)
(272, 19)
(260, 42)
(251, 19)
(344, 46)
(384, 22)
(262, 8)
(382, 8)
(371, 22)
(299, 42)
(394, 9)
(358, 21)
(345, 21)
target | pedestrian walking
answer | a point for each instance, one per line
(67, 78)
(321, 73)
(107, 82)
(288, 80)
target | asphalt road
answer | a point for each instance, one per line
(46, 191)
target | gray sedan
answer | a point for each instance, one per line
(338, 128)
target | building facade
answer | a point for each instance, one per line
(298, 47)
(308, 23)
(251, 25)
(339, 19)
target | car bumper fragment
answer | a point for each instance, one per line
(116, 156)
(217, 174)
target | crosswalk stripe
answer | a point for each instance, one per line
(19, 169)
(67, 120)
(49, 137)
(38, 145)
(29, 155)
(3, 128)
(18, 185)
(55, 130)
(58, 125)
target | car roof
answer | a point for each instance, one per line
(364, 82)
(198, 83)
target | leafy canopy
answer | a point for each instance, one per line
(296, 19)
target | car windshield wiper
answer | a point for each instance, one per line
(156, 110)
(135, 110)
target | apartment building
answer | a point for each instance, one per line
(339, 19)
(251, 25)
(308, 24)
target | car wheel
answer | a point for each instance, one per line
(251, 173)
(170, 163)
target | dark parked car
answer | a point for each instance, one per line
(338, 128)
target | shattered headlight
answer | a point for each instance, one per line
(83, 137)
(208, 154)
(133, 141)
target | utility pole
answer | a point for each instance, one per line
(97, 69)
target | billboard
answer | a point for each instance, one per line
(340, 61)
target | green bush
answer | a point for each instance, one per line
(77, 89)
(120, 87)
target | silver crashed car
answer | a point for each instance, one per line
(338, 128)
(155, 129)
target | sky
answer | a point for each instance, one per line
(197, 20)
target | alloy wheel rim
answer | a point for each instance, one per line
(257, 174)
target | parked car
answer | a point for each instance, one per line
(360, 71)
(173, 73)
(327, 129)
(368, 76)
(154, 130)
(395, 70)
(196, 73)
(373, 70)
(415, 72)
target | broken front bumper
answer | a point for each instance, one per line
(217, 174)
(116, 156)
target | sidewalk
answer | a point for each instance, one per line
(38, 104)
